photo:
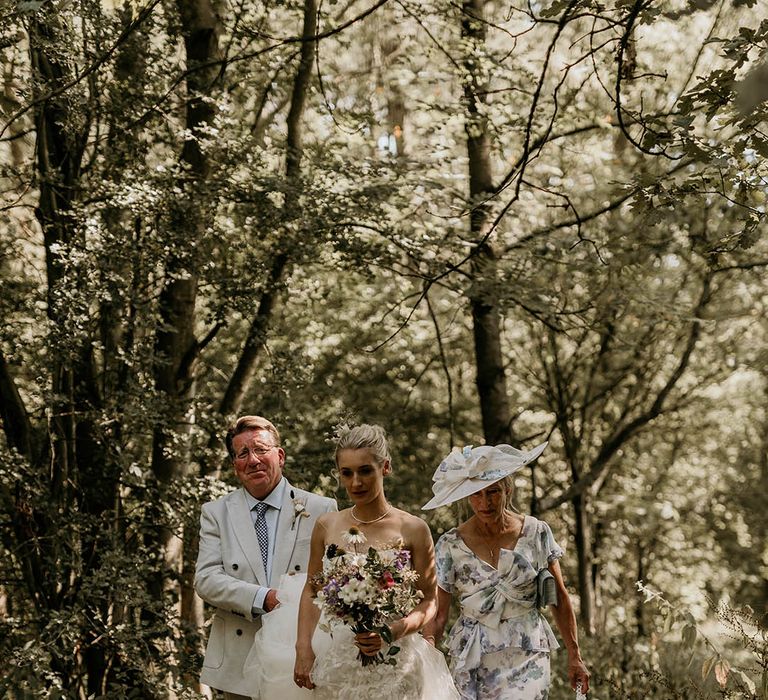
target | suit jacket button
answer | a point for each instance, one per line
(234, 567)
(297, 567)
(239, 633)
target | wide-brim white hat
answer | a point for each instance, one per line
(467, 471)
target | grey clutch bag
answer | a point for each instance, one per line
(546, 591)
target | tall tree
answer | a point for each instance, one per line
(486, 317)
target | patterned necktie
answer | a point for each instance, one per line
(262, 532)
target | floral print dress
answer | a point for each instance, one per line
(500, 644)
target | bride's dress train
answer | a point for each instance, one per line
(420, 674)
(268, 667)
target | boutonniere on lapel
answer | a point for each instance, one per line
(299, 509)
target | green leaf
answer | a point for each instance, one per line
(668, 622)
(555, 8)
(689, 636)
(29, 7)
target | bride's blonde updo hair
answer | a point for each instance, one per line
(364, 437)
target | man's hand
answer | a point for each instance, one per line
(271, 601)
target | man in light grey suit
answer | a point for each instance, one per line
(248, 539)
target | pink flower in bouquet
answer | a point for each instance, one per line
(387, 580)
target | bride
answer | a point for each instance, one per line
(332, 665)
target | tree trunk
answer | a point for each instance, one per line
(639, 604)
(176, 346)
(759, 503)
(82, 481)
(583, 538)
(486, 319)
(242, 377)
(387, 44)
(491, 377)
(13, 413)
(245, 370)
(125, 148)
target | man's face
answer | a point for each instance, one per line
(258, 461)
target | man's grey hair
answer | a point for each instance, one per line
(249, 423)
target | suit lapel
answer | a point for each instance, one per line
(285, 537)
(242, 524)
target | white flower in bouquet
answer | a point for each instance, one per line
(354, 537)
(357, 591)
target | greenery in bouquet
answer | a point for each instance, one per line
(366, 590)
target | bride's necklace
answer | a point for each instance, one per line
(368, 522)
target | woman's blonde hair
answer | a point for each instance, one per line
(364, 437)
(508, 484)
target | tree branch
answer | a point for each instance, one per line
(611, 206)
(602, 462)
(245, 370)
(446, 369)
(101, 60)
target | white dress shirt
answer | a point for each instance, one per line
(275, 501)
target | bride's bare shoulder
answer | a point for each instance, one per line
(413, 527)
(332, 519)
(337, 527)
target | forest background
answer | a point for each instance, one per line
(467, 221)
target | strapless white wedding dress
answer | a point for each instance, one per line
(421, 672)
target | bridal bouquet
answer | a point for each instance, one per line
(365, 590)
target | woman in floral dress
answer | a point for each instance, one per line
(497, 564)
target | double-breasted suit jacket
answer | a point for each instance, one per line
(230, 571)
